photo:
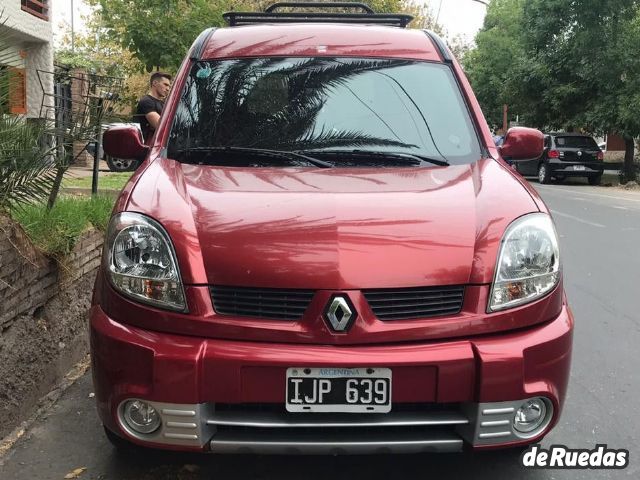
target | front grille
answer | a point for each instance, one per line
(270, 429)
(409, 303)
(261, 302)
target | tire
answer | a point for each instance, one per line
(121, 445)
(121, 165)
(543, 174)
(595, 179)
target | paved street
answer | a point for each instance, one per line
(600, 240)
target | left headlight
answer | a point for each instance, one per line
(528, 264)
(141, 263)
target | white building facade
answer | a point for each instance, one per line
(26, 30)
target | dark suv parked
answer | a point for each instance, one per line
(566, 155)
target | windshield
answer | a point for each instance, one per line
(322, 105)
(576, 142)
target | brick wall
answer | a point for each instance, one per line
(28, 279)
(43, 318)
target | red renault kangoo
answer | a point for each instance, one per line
(324, 252)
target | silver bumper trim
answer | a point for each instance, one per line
(272, 432)
(275, 420)
(491, 423)
(272, 443)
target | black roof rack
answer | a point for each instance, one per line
(270, 15)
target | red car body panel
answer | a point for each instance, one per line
(434, 226)
(128, 361)
(320, 40)
(334, 230)
(202, 321)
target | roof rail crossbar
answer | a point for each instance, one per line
(271, 16)
(272, 8)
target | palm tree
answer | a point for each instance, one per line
(26, 165)
(237, 103)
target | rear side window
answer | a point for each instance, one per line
(319, 104)
(576, 142)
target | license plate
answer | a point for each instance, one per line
(579, 167)
(346, 390)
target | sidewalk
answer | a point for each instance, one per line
(80, 172)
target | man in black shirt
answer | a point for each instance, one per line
(150, 106)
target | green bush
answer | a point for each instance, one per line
(55, 232)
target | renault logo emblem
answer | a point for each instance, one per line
(340, 313)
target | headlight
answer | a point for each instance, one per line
(528, 264)
(140, 261)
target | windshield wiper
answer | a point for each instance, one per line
(409, 157)
(265, 152)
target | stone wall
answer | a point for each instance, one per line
(43, 317)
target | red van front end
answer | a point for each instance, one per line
(324, 300)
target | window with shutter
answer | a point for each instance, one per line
(39, 8)
(17, 91)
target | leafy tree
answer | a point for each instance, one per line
(98, 52)
(159, 32)
(492, 64)
(568, 64)
(587, 50)
(94, 51)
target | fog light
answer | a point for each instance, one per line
(531, 415)
(141, 417)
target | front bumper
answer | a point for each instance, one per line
(228, 396)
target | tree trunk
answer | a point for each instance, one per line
(629, 167)
(60, 171)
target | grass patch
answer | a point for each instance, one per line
(56, 232)
(106, 181)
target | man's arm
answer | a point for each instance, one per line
(153, 118)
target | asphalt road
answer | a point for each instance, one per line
(600, 241)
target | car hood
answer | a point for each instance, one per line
(333, 228)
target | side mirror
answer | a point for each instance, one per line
(522, 143)
(124, 142)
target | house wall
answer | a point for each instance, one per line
(37, 29)
(33, 37)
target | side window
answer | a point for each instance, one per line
(547, 142)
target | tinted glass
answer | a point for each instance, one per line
(576, 142)
(325, 104)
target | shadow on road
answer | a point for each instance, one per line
(159, 465)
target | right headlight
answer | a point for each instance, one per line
(140, 262)
(528, 265)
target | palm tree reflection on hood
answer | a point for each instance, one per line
(270, 103)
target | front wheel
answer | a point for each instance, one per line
(543, 174)
(595, 180)
(121, 165)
